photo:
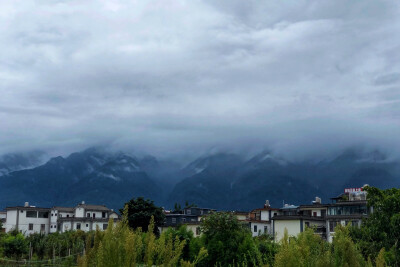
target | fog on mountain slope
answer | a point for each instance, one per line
(221, 180)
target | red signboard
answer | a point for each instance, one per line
(352, 190)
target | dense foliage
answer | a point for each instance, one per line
(139, 211)
(382, 229)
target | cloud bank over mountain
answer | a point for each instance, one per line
(173, 77)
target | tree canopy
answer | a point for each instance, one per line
(382, 228)
(139, 211)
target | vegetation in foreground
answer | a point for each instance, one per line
(224, 242)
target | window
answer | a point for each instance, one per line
(332, 225)
(42, 227)
(188, 211)
(275, 213)
(173, 220)
(197, 230)
(67, 215)
(88, 215)
(51, 226)
(78, 226)
(255, 228)
(43, 214)
(30, 226)
(183, 219)
(103, 214)
(55, 226)
(94, 215)
(87, 225)
(52, 215)
(314, 214)
(31, 214)
(105, 225)
(55, 214)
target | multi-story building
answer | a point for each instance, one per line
(27, 219)
(30, 219)
(349, 207)
(260, 220)
(82, 217)
(191, 217)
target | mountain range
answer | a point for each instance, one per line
(222, 181)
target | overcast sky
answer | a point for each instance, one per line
(181, 77)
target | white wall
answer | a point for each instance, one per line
(260, 228)
(265, 215)
(293, 227)
(11, 221)
(14, 217)
(79, 212)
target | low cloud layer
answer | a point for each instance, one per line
(184, 77)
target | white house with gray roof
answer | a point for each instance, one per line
(31, 219)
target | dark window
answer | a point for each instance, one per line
(52, 215)
(315, 214)
(189, 211)
(42, 228)
(51, 226)
(255, 228)
(78, 226)
(94, 215)
(31, 214)
(55, 214)
(30, 226)
(88, 215)
(103, 214)
(275, 213)
(55, 226)
(43, 214)
(197, 230)
(183, 219)
(87, 225)
(67, 215)
(105, 226)
(332, 225)
(22, 211)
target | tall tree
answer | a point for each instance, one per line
(139, 212)
(228, 242)
(382, 228)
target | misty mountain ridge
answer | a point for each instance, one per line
(220, 180)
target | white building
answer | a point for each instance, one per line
(260, 220)
(82, 217)
(30, 219)
(27, 219)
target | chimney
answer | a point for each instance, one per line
(267, 205)
(26, 204)
(83, 202)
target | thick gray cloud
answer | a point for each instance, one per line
(182, 77)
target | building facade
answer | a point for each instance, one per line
(30, 219)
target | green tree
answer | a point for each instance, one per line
(139, 212)
(14, 246)
(228, 242)
(307, 249)
(382, 228)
